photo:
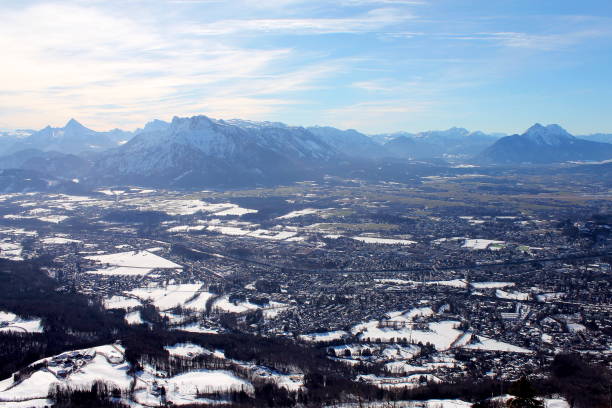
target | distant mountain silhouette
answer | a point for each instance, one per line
(544, 144)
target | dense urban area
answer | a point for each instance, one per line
(400, 287)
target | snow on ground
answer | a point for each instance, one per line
(177, 207)
(411, 314)
(395, 281)
(197, 328)
(575, 327)
(18, 231)
(298, 213)
(232, 230)
(33, 403)
(323, 337)
(188, 207)
(547, 297)
(291, 382)
(191, 383)
(199, 302)
(121, 271)
(107, 365)
(131, 263)
(11, 322)
(138, 259)
(235, 210)
(455, 283)
(121, 302)
(273, 235)
(487, 344)
(101, 367)
(482, 244)
(225, 305)
(384, 241)
(491, 285)
(38, 211)
(434, 403)
(187, 228)
(55, 219)
(188, 350)
(59, 241)
(391, 353)
(134, 318)
(548, 402)
(111, 192)
(167, 297)
(34, 387)
(556, 403)
(11, 250)
(440, 334)
(512, 295)
(410, 381)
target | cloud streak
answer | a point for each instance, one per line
(78, 57)
(372, 21)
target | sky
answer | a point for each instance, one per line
(372, 65)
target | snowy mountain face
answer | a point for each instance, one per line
(203, 151)
(223, 140)
(73, 138)
(350, 142)
(544, 144)
(437, 143)
(551, 135)
(9, 137)
(384, 138)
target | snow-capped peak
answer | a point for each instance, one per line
(74, 124)
(549, 135)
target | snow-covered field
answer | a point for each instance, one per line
(547, 297)
(441, 334)
(107, 364)
(323, 337)
(188, 350)
(454, 283)
(491, 285)
(175, 207)
(409, 381)
(59, 241)
(131, 263)
(482, 244)
(434, 403)
(134, 318)
(11, 322)
(487, 344)
(512, 295)
(384, 241)
(168, 297)
(299, 213)
(121, 302)
(11, 250)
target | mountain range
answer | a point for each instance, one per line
(452, 143)
(72, 138)
(199, 151)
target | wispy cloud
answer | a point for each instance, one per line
(534, 41)
(386, 64)
(368, 22)
(67, 60)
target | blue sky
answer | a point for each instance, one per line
(376, 66)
